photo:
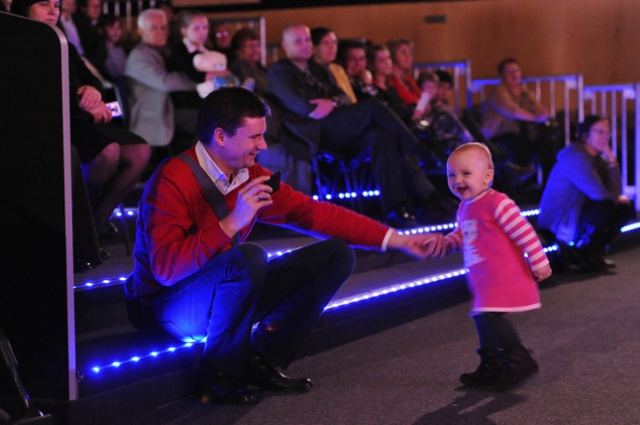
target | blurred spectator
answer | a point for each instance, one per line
(401, 79)
(351, 55)
(78, 29)
(439, 124)
(582, 204)
(152, 111)
(515, 120)
(220, 37)
(319, 115)
(112, 54)
(381, 67)
(445, 87)
(325, 50)
(113, 157)
(247, 64)
(92, 9)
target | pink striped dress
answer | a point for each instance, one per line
(494, 238)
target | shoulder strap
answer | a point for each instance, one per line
(211, 192)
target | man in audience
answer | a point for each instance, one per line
(319, 116)
(194, 279)
(153, 115)
(78, 29)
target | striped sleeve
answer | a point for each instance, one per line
(453, 240)
(519, 230)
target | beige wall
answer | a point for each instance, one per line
(599, 38)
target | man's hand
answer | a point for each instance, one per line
(251, 199)
(542, 273)
(421, 246)
(323, 108)
(90, 97)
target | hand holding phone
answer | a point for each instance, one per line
(274, 181)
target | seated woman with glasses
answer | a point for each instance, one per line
(582, 204)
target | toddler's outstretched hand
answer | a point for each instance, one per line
(542, 273)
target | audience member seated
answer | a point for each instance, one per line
(401, 79)
(381, 67)
(319, 115)
(582, 204)
(92, 9)
(352, 56)
(78, 29)
(152, 111)
(445, 88)
(111, 56)
(113, 157)
(247, 65)
(441, 126)
(515, 120)
(325, 50)
(220, 37)
(194, 29)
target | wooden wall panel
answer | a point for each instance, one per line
(600, 38)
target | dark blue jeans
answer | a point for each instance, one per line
(241, 287)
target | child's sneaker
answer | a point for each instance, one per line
(488, 372)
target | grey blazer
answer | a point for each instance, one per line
(150, 84)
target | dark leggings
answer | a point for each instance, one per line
(495, 331)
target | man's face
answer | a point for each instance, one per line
(241, 149)
(93, 9)
(297, 44)
(250, 51)
(444, 91)
(155, 32)
(355, 62)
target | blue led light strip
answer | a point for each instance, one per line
(332, 306)
(345, 301)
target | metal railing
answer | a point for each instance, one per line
(621, 104)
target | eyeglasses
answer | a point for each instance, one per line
(222, 34)
(601, 132)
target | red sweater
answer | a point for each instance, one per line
(178, 232)
(407, 89)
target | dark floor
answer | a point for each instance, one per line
(586, 339)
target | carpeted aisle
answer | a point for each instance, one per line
(586, 338)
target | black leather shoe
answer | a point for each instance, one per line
(266, 377)
(211, 395)
(222, 389)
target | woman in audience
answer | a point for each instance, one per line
(113, 158)
(193, 59)
(325, 50)
(582, 204)
(402, 57)
(247, 66)
(381, 67)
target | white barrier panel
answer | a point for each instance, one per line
(461, 72)
(621, 104)
(547, 90)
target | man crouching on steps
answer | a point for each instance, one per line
(192, 278)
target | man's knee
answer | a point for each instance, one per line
(251, 260)
(343, 257)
